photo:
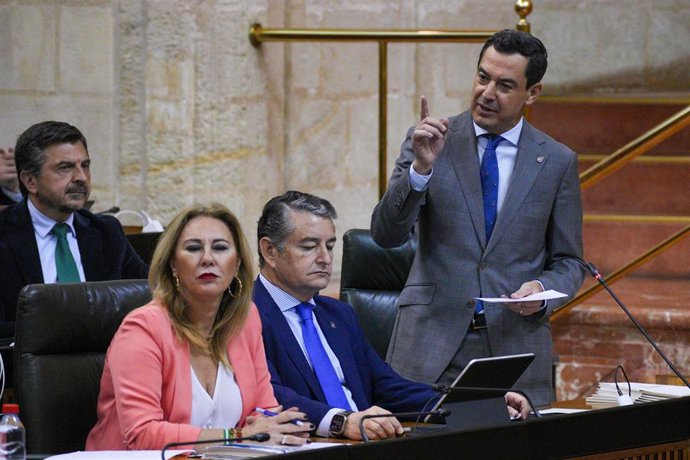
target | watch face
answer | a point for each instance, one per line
(337, 424)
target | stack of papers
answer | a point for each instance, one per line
(240, 450)
(607, 396)
(244, 451)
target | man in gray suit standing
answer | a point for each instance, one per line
(497, 208)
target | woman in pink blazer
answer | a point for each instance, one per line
(190, 365)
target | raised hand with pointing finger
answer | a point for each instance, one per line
(428, 139)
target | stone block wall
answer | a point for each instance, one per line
(178, 107)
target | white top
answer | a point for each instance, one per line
(224, 409)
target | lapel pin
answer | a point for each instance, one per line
(540, 159)
(332, 325)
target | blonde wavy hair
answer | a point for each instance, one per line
(233, 310)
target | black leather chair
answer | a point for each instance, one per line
(144, 244)
(62, 334)
(371, 281)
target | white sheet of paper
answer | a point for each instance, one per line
(546, 295)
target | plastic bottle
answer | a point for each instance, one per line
(12, 434)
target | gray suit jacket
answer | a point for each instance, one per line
(537, 234)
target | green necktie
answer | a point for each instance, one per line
(64, 262)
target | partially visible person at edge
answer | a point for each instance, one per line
(54, 171)
(190, 365)
(498, 211)
(9, 182)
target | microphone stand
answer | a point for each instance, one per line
(438, 412)
(597, 276)
(483, 390)
(259, 437)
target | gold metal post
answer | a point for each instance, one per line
(259, 35)
(383, 118)
(523, 8)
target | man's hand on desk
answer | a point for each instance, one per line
(518, 406)
(376, 428)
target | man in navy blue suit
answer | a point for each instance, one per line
(296, 236)
(53, 166)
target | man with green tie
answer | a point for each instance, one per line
(48, 237)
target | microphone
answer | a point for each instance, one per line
(438, 412)
(597, 276)
(441, 388)
(258, 437)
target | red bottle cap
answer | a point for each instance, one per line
(10, 408)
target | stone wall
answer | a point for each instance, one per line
(178, 107)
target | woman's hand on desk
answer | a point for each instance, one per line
(282, 428)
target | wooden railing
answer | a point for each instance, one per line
(258, 35)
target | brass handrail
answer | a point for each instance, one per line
(636, 147)
(636, 219)
(624, 270)
(610, 164)
(258, 34)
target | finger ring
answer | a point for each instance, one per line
(284, 440)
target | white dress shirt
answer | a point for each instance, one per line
(46, 243)
(287, 304)
(506, 154)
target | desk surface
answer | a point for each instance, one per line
(650, 428)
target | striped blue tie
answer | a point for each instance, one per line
(489, 174)
(489, 177)
(323, 368)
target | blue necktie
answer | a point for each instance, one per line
(489, 177)
(65, 265)
(323, 368)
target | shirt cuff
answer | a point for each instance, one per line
(543, 303)
(419, 182)
(325, 424)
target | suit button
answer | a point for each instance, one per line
(483, 266)
(471, 304)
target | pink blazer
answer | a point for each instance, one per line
(146, 389)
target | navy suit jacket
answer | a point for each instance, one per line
(369, 378)
(105, 255)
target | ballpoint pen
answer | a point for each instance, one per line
(269, 413)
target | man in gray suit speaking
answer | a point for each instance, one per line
(497, 205)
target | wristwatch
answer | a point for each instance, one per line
(338, 423)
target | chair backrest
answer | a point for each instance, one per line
(62, 334)
(371, 281)
(144, 244)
